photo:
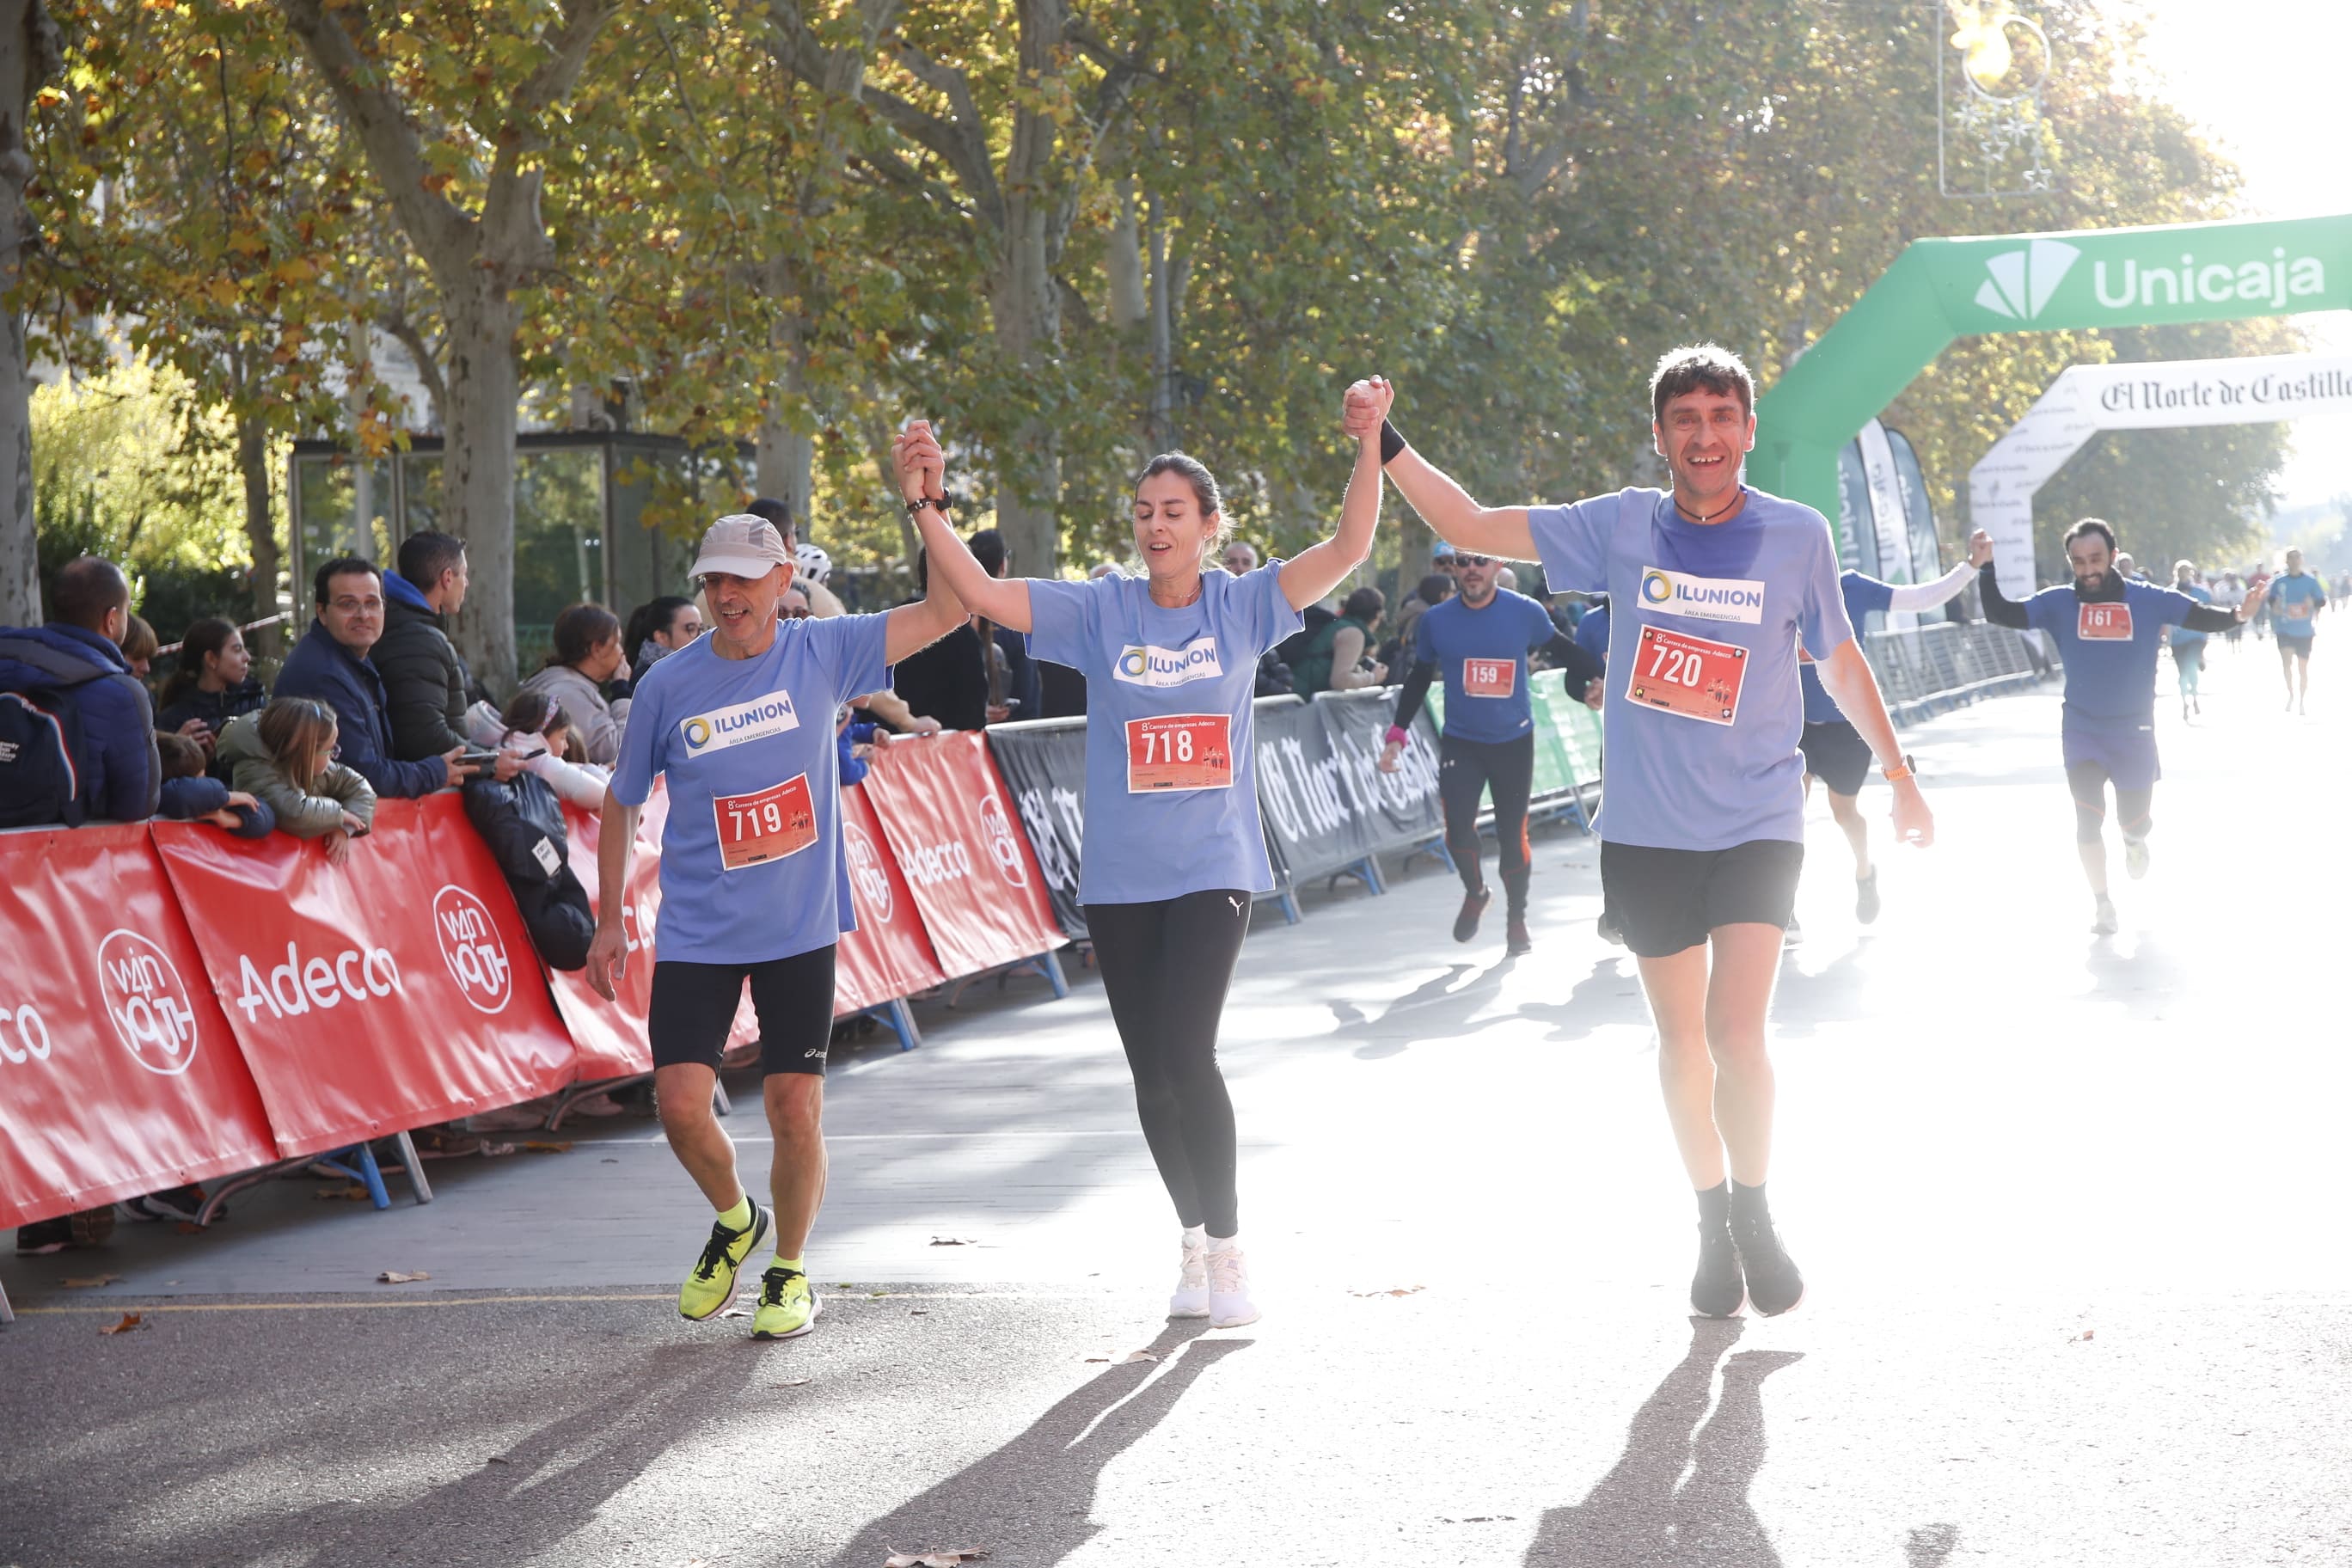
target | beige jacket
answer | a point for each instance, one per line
(306, 814)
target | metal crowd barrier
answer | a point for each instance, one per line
(1926, 670)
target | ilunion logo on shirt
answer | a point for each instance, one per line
(1139, 664)
(756, 719)
(1702, 598)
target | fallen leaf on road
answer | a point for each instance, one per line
(1137, 1355)
(1406, 1291)
(2086, 1334)
(608, 1160)
(735, 1312)
(130, 1320)
(934, 1559)
(919, 1312)
(497, 1459)
(875, 1295)
(394, 1277)
(353, 1193)
(544, 1146)
(93, 1282)
(791, 1382)
(955, 1241)
(189, 1228)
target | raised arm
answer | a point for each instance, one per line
(1321, 567)
(922, 472)
(1442, 504)
(1927, 596)
(2000, 609)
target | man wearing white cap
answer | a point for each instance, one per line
(754, 884)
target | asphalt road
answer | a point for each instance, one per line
(2070, 1209)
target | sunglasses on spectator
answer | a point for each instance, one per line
(1460, 560)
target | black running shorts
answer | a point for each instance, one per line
(1836, 754)
(1668, 900)
(694, 1008)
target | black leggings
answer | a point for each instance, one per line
(1468, 769)
(2088, 783)
(1165, 968)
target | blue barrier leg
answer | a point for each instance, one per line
(372, 1175)
(1290, 906)
(1049, 963)
(1370, 872)
(901, 1022)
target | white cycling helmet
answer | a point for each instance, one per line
(814, 562)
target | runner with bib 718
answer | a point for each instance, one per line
(1712, 585)
(1173, 852)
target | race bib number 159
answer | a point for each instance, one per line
(768, 825)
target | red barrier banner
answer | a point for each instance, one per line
(612, 1035)
(119, 1075)
(957, 838)
(889, 955)
(396, 990)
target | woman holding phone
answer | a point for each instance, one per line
(1174, 853)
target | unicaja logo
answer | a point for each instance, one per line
(2021, 281)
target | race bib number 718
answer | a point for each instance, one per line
(1182, 751)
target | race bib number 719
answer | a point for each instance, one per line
(768, 825)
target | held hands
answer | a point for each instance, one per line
(1979, 548)
(921, 466)
(608, 959)
(1367, 403)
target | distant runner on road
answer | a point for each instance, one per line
(2295, 601)
(1479, 639)
(2106, 628)
(1833, 749)
(2189, 644)
(1714, 585)
(1174, 853)
(755, 884)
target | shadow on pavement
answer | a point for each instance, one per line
(1831, 995)
(1644, 1513)
(1440, 1008)
(1612, 994)
(1032, 1501)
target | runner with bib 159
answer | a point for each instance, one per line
(1173, 852)
(1714, 586)
(755, 884)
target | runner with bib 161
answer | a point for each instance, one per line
(1173, 852)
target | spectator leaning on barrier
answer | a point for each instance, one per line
(331, 663)
(212, 685)
(521, 820)
(587, 655)
(285, 757)
(79, 732)
(190, 795)
(1336, 660)
(424, 679)
(658, 628)
(534, 730)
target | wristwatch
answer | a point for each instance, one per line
(915, 507)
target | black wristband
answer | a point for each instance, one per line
(1391, 443)
(915, 509)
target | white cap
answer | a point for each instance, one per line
(740, 545)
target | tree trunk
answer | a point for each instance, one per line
(260, 532)
(478, 474)
(1028, 321)
(1123, 261)
(786, 462)
(1163, 436)
(28, 55)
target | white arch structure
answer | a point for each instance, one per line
(2175, 394)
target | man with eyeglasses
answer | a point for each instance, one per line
(1715, 586)
(1479, 639)
(332, 664)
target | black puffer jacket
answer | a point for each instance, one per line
(522, 821)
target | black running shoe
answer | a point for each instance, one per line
(1518, 941)
(1718, 1289)
(183, 1204)
(1774, 1286)
(1865, 897)
(1473, 905)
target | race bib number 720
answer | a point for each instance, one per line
(1691, 678)
(1181, 750)
(768, 825)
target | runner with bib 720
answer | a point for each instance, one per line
(1172, 851)
(1714, 585)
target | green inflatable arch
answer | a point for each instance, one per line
(1939, 290)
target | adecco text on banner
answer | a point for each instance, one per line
(472, 948)
(929, 864)
(147, 1002)
(297, 985)
(24, 1035)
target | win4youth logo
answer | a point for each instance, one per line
(2021, 281)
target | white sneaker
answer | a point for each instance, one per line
(1192, 1297)
(1228, 1299)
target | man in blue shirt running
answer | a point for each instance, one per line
(2189, 646)
(2107, 628)
(1714, 585)
(1479, 639)
(2295, 600)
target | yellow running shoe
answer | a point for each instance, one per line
(712, 1284)
(788, 1307)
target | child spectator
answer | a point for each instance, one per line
(139, 646)
(535, 728)
(190, 795)
(285, 756)
(858, 740)
(211, 685)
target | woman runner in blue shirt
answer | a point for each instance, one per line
(1173, 850)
